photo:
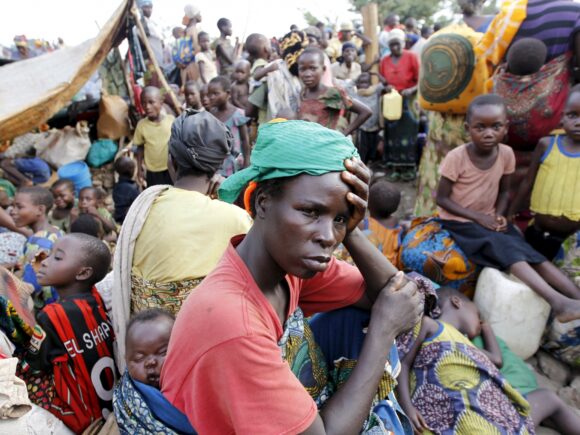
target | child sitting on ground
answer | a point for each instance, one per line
(447, 385)
(147, 338)
(125, 190)
(152, 139)
(235, 120)
(473, 197)
(26, 171)
(205, 59)
(192, 96)
(367, 137)
(89, 203)
(326, 106)
(30, 209)
(241, 87)
(73, 338)
(63, 213)
(553, 181)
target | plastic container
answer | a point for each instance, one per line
(515, 313)
(78, 172)
(392, 106)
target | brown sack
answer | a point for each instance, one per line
(113, 120)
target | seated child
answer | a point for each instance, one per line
(89, 203)
(553, 179)
(447, 385)
(325, 105)
(219, 92)
(26, 171)
(367, 137)
(147, 339)
(73, 338)
(473, 197)
(31, 207)
(205, 59)
(241, 86)
(152, 139)
(125, 190)
(62, 214)
(192, 96)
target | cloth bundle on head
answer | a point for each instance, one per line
(199, 141)
(20, 41)
(292, 46)
(191, 11)
(289, 148)
(396, 35)
(143, 3)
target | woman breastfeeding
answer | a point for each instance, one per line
(242, 357)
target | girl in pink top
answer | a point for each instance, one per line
(473, 197)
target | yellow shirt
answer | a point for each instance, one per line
(185, 235)
(154, 137)
(556, 190)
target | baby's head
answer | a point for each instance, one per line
(258, 46)
(31, 204)
(88, 224)
(178, 32)
(146, 344)
(571, 115)
(526, 56)
(463, 310)
(384, 199)
(63, 191)
(242, 71)
(125, 167)
(76, 260)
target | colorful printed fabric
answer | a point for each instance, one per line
(534, 102)
(328, 110)
(430, 251)
(134, 414)
(446, 132)
(14, 326)
(457, 389)
(169, 296)
(563, 339)
(11, 248)
(322, 352)
(232, 162)
(183, 51)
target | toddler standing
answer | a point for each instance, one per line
(205, 59)
(235, 119)
(241, 86)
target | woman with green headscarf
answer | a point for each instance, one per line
(242, 356)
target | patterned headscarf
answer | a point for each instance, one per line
(292, 46)
(289, 148)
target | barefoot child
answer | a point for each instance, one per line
(31, 207)
(326, 106)
(147, 338)
(224, 50)
(555, 197)
(152, 138)
(125, 190)
(63, 192)
(89, 199)
(473, 199)
(73, 338)
(241, 86)
(447, 385)
(235, 119)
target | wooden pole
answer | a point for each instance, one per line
(153, 59)
(370, 15)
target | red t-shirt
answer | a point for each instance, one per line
(224, 368)
(401, 75)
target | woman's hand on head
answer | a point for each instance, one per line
(357, 176)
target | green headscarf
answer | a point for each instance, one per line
(289, 148)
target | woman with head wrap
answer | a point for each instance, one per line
(173, 236)
(400, 69)
(242, 357)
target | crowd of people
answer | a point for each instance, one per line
(250, 274)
